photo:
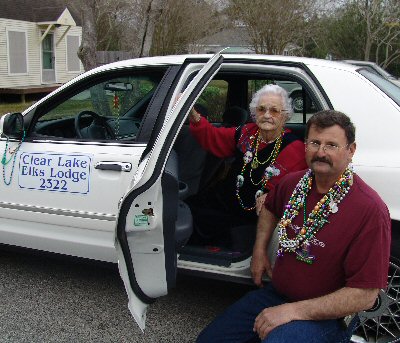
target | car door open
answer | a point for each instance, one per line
(145, 236)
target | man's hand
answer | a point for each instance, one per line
(270, 318)
(334, 305)
(260, 265)
(260, 203)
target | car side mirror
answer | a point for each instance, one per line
(12, 125)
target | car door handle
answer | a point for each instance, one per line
(117, 166)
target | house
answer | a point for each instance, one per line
(235, 39)
(39, 41)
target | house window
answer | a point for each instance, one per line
(48, 52)
(17, 52)
(73, 62)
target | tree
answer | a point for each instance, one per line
(88, 47)
(378, 17)
(388, 48)
(111, 22)
(117, 24)
(362, 30)
(273, 24)
(340, 34)
(152, 14)
(382, 25)
(183, 22)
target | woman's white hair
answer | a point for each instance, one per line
(275, 90)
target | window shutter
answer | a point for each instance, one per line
(17, 47)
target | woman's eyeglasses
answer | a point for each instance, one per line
(272, 110)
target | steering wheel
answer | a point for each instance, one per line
(98, 128)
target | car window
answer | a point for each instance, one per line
(107, 108)
(303, 106)
(214, 98)
(226, 98)
(371, 70)
(386, 86)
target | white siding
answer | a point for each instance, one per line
(33, 77)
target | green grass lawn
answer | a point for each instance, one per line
(13, 107)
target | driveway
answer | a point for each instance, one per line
(62, 300)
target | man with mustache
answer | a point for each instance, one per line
(333, 234)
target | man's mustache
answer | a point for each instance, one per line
(321, 159)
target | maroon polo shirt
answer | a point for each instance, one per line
(352, 250)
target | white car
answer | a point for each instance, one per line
(101, 167)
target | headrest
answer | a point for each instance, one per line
(234, 116)
(201, 109)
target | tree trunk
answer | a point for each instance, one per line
(87, 50)
(153, 11)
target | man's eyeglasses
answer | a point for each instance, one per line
(327, 148)
(272, 110)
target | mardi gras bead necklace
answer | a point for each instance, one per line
(300, 245)
(116, 110)
(4, 160)
(255, 163)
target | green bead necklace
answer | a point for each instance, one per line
(4, 160)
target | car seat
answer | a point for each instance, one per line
(191, 156)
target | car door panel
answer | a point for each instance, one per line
(25, 201)
(77, 221)
(146, 248)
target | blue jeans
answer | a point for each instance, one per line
(235, 325)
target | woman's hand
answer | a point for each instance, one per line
(194, 116)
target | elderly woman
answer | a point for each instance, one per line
(263, 152)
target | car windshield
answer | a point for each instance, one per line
(386, 86)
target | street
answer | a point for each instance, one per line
(47, 299)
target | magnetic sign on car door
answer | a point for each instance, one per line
(54, 172)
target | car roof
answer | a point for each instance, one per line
(159, 61)
(180, 59)
(359, 62)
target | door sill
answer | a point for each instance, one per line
(210, 254)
